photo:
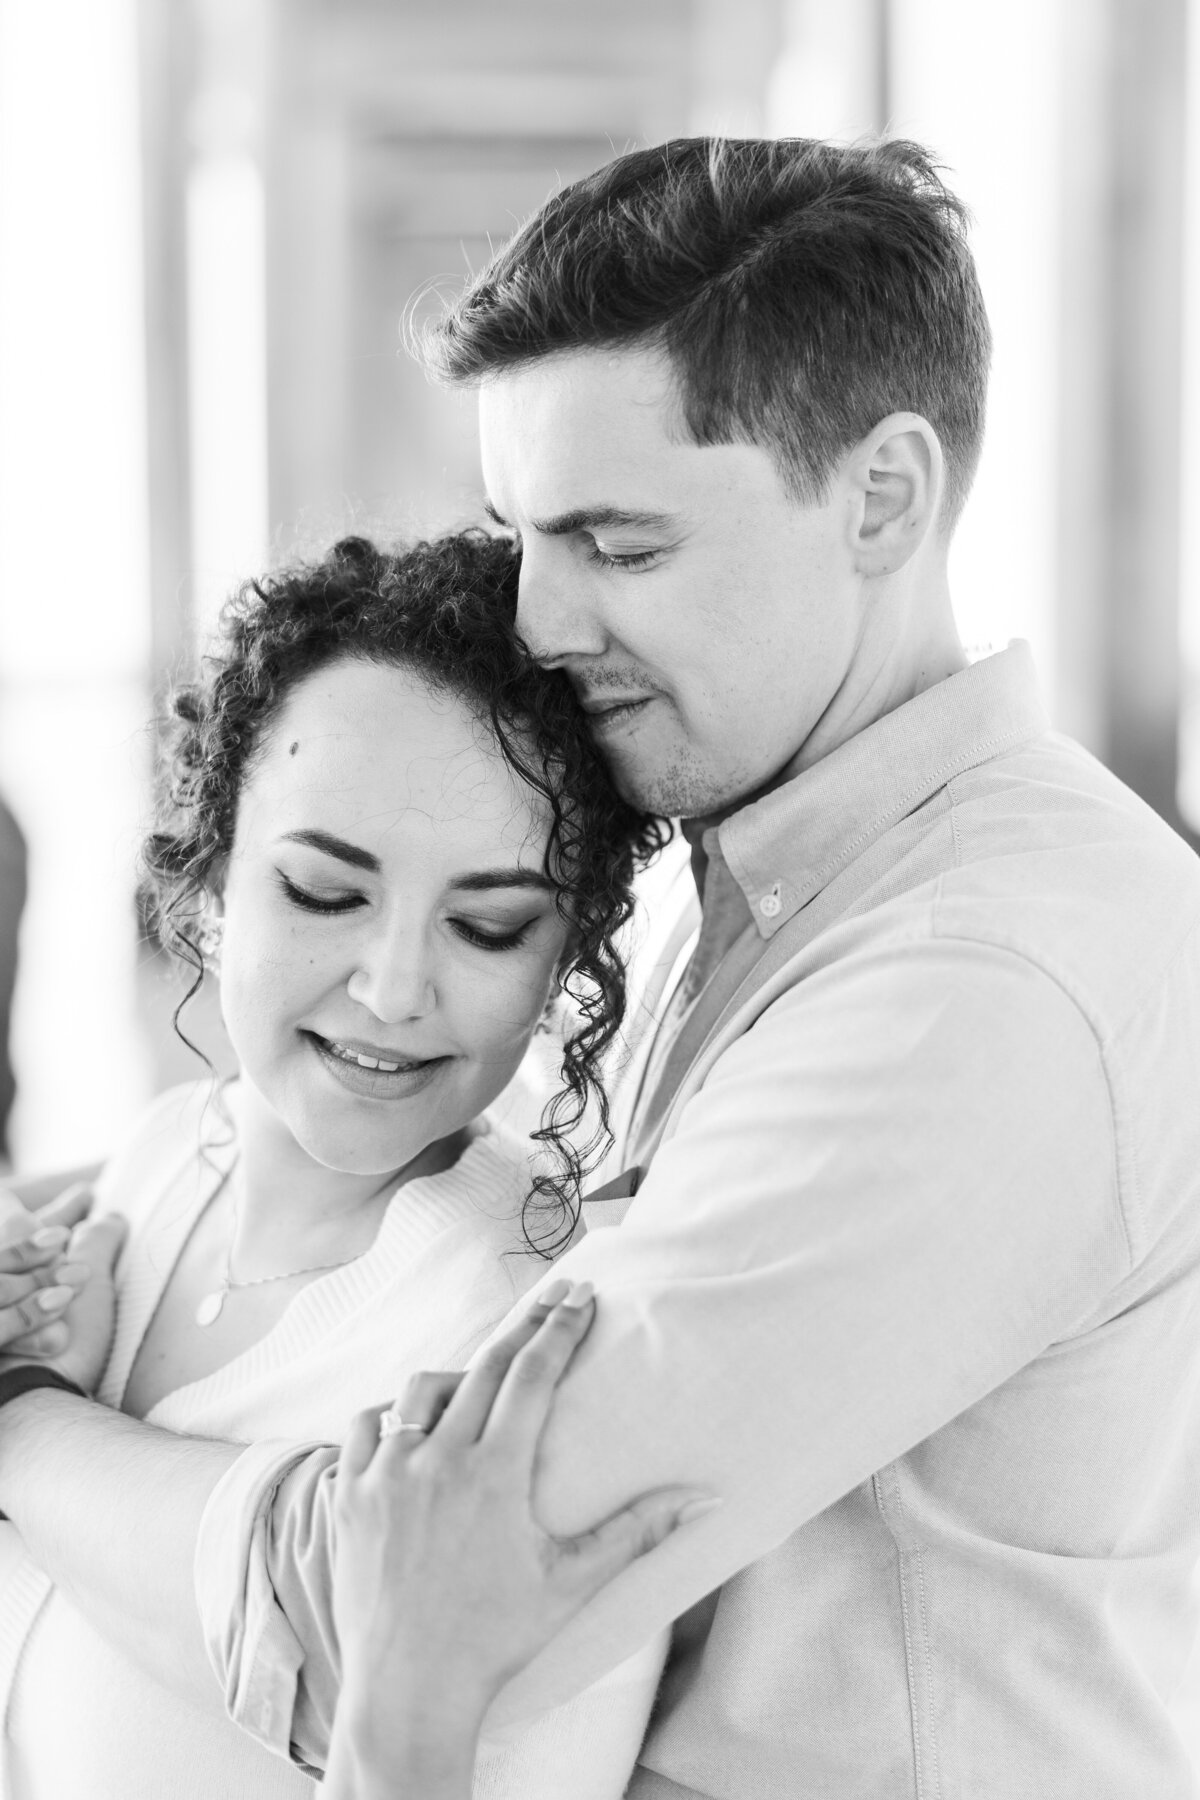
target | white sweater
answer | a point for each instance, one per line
(82, 1723)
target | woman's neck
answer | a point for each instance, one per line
(293, 1208)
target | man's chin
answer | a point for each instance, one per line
(676, 788)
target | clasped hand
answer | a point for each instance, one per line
(57, 1299)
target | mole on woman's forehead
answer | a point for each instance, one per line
(294, 747)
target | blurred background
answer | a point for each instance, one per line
(212, 214)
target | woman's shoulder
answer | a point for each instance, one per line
(175, 1128)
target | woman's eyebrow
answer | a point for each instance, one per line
(478, 881)
(481, 880)
(354, 854)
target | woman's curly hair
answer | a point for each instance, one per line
(444, 609)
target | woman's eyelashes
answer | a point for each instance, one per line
(480, 936)
(317, 902)
(493, 940)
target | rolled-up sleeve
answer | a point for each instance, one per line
(264, 1558)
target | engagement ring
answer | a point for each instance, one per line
(391, 1424)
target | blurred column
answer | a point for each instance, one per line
(980, 87)
(1121, 348)
(734, 50)
(227, 299)
(1189, 635)
(167, 57)
(74, 608)
(832, 75)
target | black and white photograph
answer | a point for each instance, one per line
(599, 900)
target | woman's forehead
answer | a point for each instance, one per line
(380, 748)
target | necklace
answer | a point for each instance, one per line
(209, 1309)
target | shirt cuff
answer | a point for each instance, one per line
(254, 1652)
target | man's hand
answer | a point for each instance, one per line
(57, 1299)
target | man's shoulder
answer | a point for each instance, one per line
(1058, 860)
(1049, 795)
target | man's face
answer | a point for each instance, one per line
(705, 618)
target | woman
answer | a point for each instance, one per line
(387, 830)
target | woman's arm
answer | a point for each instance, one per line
(109, 1508)
(445, 1584)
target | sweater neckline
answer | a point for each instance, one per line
(489, 1177)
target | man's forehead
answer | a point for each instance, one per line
(585, 430)
(581, 396)
(641, 372)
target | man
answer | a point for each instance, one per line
(911, 1277)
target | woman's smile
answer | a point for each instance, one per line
(373, 1077)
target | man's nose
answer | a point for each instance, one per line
(556, 615)
(394, 977)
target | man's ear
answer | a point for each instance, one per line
(897, 475)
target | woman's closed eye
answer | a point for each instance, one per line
(491, 938)
(482, 935)
(334, 900)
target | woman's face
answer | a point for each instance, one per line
(389, 936)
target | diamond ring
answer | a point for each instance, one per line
(391, 1424)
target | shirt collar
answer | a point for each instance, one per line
(784, 848)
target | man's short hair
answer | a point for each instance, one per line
(801, 290)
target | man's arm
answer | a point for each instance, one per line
(110, 1508)
(891, 1195)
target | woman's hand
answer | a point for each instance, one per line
(57, 1299)
(445, 1584)
(38, 1276)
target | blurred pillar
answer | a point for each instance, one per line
(227, 133)
(1189, 747)
(1124, 94)
(74, 584)
(832, 75)
(166, 58)
(733, 53)
(979, 87)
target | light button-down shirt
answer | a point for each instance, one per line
(912, 1281)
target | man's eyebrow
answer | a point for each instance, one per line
(591, 518)
(354, 854)
(480, 881)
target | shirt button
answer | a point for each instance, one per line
(770, 906)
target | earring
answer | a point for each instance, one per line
(554, 1014)
(208, 938)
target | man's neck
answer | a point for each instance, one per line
(881, 677)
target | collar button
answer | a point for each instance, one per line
(771, 905)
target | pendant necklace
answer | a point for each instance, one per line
(209, 1309)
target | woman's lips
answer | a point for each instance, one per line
(380, 1083)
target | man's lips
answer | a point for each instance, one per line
(610, 711)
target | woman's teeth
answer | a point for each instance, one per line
(364, 1062)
